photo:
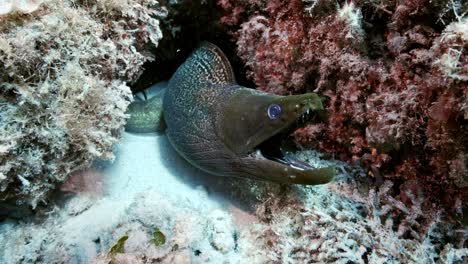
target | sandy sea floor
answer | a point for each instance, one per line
(147, 187)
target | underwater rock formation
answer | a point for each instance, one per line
(64, 76)
(395, 74)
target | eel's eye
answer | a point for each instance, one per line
(274, 111)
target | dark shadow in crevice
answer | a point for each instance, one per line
(196, 22)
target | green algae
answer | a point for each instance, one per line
(118, 247)
(159, 238)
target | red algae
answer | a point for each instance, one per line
(394, 76)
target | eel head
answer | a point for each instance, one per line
(254, 125)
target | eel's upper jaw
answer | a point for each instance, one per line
(280, 166)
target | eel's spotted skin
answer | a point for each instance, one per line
(215, 124)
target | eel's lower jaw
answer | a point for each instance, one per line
(281, 166)
(275, 164)
(290, 171)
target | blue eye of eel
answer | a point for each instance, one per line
(274, 111)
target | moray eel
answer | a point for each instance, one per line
(226, 129)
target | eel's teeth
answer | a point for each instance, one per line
(258, 154)
(296, 167)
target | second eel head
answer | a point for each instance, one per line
(255, 125)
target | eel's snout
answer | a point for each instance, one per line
(297, 105)
(268, 161)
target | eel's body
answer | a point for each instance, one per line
(224, 129)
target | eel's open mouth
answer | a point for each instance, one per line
(278, 148)
(265, 151)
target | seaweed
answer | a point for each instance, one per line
(118, 247)
(395, 81)
(159, 238)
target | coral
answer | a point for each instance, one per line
(222, 238)
(88, 182)
(64, 76)
(353, 18)
(23, 6)
(339, 223)
(394, 80)
(450, 47)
